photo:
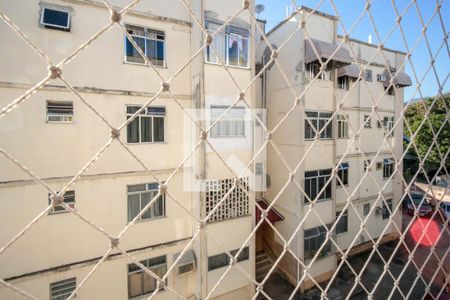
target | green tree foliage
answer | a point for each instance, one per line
(438, 117)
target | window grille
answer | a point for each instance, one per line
(313, 240)
(234, 206)
(366, 209)
(61, 290)
(59, 112)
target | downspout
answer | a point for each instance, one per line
(333, 182)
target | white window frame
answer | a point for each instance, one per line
(64, 118)
(368, 75)
(343, 83)
(318, 118)
(388, 125)
(343, 222)
(367, 121)
(343, 168)
(388, 168)
(67, 291)
(69, 200)
(342, 124)
(150, 188)
(146, 30)
(308, 180)
(145, 114)
(66, 10)
(366, 209)
(367, 163)
(231, 118)
(313, 68)
(226, 33)
(144, 274)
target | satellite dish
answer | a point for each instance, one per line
(259, 8)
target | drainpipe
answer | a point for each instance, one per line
(333, 182)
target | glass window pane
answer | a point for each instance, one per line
(158, 207)
(155, 52)
(133, 206)
(149, 283)
(158, 129)
(56, 17)
(134, 285)
(146, 129)
(133, 131)
(243, 52)
(233, 51)
(131, 52)
(145, 199)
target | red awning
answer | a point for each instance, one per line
(273, 215)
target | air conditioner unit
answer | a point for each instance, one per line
(186, 264)
(382, 77)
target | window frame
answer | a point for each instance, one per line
(147, 190)
(343, 83)
(319, 237)
(388, 125)
(225, 258)
(68, 196)
(144, 114)
(367, 163)
(344, 170)
(368, 75)
(366, 209)
(226, 33)
(386, 214)
(152, 267)
(342, 224)
(317, 119)
(313, 68)
(66, 10)
(367, 121)
(145, 29)
(388, 168)
(57, 284)
(229, 114)
(317, 178)
(342, 127)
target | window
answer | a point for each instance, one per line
(367, 164)
(342, 127)
(388, 125)
(368, 75)
(148, 126)
(234, 206)
(367, 122)
(315, 181)
(366, 209)
(230, 125)
(386, 212)
(61, 290)
(343, 82)
(343, 174)
(139, 195)
(59, 112)
(258, 168)
(55, 18)
(313, 69)
(379, 165)
(314, 238)
(223, 259)
(388, 167)
(141, 283)
(151, 42)
(318, 121)
(342, 225)
(231, 44)
(390, 90)
(69, 200)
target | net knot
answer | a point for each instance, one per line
(54, 72)
(115, 133)
(115, 16)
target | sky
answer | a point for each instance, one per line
(385, 19)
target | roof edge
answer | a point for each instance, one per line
(372, 45)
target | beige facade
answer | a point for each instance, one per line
(321, 97)
(112, 78)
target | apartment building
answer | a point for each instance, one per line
(55, 134)
(355, 141)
